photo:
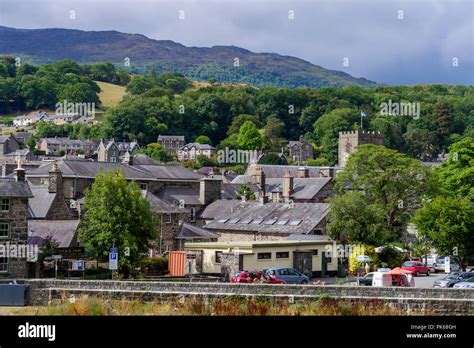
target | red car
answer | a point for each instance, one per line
(254, 277)
(416, 268)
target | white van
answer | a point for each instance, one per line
(381, 279)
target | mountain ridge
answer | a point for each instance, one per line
(200, 63)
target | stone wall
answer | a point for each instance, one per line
(17, 218)
(412, 300)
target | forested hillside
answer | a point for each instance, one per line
(170, 104)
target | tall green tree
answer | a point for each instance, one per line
(249, 137)
(392, 184)
(117, 213)
(456, 175)
(448, 222)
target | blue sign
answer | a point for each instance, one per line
(113, 259)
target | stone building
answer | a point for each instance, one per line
(191, 151)
(300, 150)
(113, 151)
(53, 146)
(48, 202)
(8, 146)
(251, 220)
(348, 142)
(171, 143)
(14, 195)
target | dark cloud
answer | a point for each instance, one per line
(416, 49)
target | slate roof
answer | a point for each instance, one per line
(222, 207)
(9, 187)
(279, 171)
(171, 137)
(163, 172)
(62, 231)
(303, 188)
(252, 216)
(142, 159)
(175, 194)
(39, 205)
(241, 179)
(89, 170)
(229, 191)
(4, 138)
(162, 206)
(197, 146)
(187, 231)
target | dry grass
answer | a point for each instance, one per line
(110, 95)
(233, 306)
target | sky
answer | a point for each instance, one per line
(397, 42)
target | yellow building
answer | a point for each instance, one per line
(224, 258)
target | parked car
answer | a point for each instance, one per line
(385, 279)
(416, 267)
(453, 278)
(384, 269)
(252, 277)
(288, 275)
(469, 283)
(367, 279)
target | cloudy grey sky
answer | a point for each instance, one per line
(418, 48)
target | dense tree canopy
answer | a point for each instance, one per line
(380, 189)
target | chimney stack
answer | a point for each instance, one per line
(19, 173)
(303, 172)
(209, 190)
(127, 159)
(55, 182)
(287, 185)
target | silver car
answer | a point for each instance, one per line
(466, 284)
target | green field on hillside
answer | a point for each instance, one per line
(110, 95)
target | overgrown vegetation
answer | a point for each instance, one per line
(233, 306)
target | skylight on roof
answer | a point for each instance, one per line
(269, 222)
(233, 221)
(295, 222)
(282, 222)
(257, 221)
(245, 221)
(222, 220)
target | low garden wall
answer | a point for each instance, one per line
(416, 300)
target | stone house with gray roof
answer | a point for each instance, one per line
(171, 143)
(14, 195)
(8, 145)
(251, 220)
(114, 151)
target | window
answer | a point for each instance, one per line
(4, 230)
(257, 221)
(282, 255)
(315, 252)
(113, 159)
(167, 218)
(282, 222)
(5, 204)
(291, 271)
(269, 222)
(192, 217)
(143, 186)
(3, 265)
(264, 256)
(218, 256)
(295, 222)
(233, 221)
